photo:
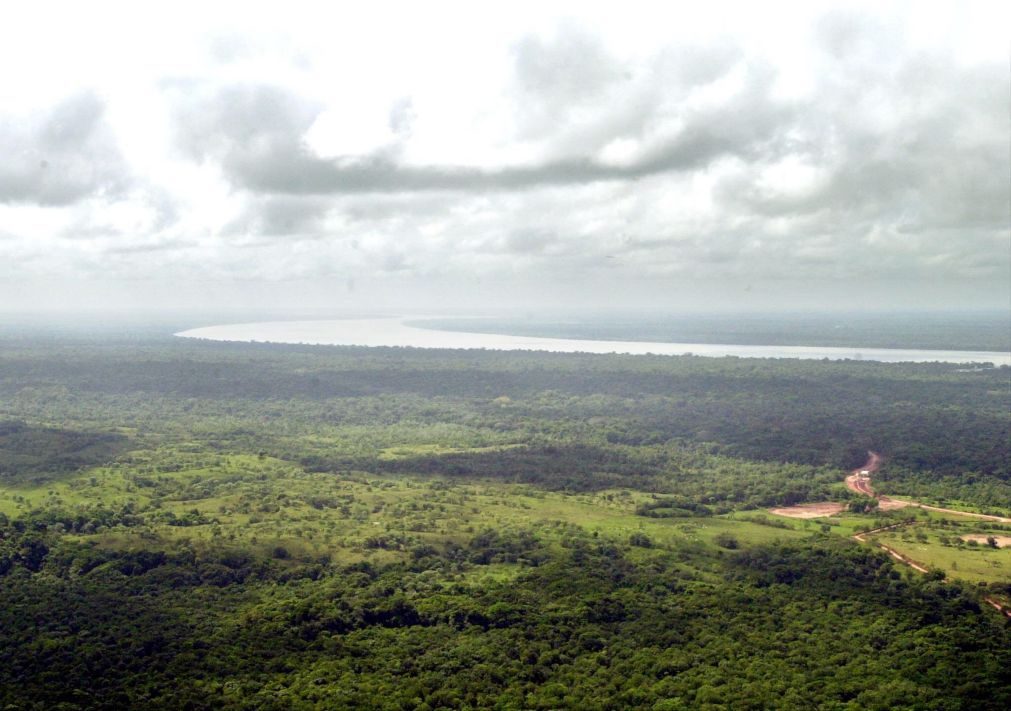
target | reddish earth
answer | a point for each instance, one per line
(826, 508)
(903, 559)
(886, 503)
(1002, 541)
(991, 601)
(995, 604)
(855, 481)
(860, 482)
(860, 536)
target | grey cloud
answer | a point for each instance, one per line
(280, 215)
(935, 166)
(571, 71)
(574, 97)
(395, 261)
(303, 174)
(150, 247)
(61, 157)
(158, 207)
(573, 68)
(911, 151)
(230, 47)
(528, 241)
(241, 123)
(386, 206)
(844, 34)
(692, 66)
(256, 134)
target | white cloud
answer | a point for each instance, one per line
(434, 144)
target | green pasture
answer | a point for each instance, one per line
(194, 498)
(958, 560)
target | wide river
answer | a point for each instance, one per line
(395, 332)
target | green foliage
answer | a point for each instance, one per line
(819, 625)
(728, 541)
(640, 540)
(36, 454)
(251, 526)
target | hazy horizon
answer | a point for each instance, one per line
(966, 331)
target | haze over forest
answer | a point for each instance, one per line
(446, 156)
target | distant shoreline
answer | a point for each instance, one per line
(394, 332)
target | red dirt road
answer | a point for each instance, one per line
(861, 484)
(995, 604)
(862, 537)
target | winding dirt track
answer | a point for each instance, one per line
(859, 481)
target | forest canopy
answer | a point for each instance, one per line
(199, 525)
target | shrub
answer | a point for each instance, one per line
(726, 540)
(640, 540)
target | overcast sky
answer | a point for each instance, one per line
(505, 155)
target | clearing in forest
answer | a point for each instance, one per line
(1002, 541)
(825, 508)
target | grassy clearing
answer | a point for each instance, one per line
(933, 547)
(193, 498)
(932, 539)
(417, 450)
(190, 497)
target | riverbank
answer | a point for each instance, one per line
(394, 332)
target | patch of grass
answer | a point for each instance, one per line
(189, 498)
(420, 450)
(937, 548)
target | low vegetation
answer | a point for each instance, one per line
(188, 525)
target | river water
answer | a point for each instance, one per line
(394, 332)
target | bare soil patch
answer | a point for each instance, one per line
(887, 504)
(825, 508)
(859, 479)
(1002, 541)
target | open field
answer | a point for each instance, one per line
(931, 548)
(828, 508)
(260, 502)
(999, 541)
(263, 502)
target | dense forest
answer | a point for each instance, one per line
(200, 525)
(817, 626)
(938, 421)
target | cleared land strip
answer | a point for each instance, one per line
(860, 482)
(993, 602)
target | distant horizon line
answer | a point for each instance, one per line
(519, 311)
(397, 332)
